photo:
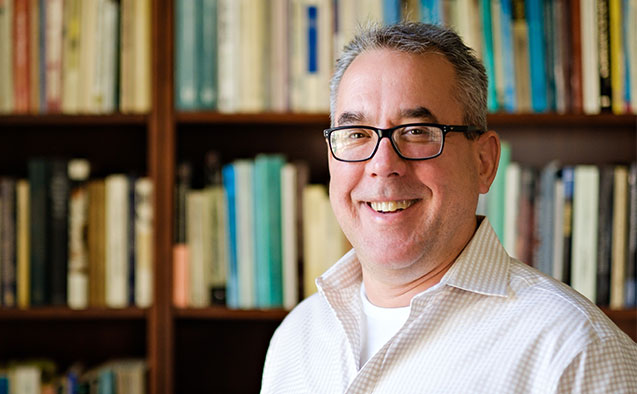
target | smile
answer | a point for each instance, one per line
(390, 206)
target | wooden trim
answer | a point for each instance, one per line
(221, 313)
(64, 313)
(273, 118)
(161, 156)
(80, 120)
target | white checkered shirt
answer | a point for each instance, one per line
(495, 325)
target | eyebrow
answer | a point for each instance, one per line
(349, 118)
(419, 113)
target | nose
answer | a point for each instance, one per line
(386, 162)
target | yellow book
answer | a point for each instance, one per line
(23, 244)
(616, 56)
(142, 57)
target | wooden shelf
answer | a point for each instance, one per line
(221, 313)
(64, 119)
(569, 121)
(64, 313)
(268, 118)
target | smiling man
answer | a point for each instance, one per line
(428, 300)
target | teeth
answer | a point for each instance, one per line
(390, 206)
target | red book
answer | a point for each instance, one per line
(21, 50)
(576, 62)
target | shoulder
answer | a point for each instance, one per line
(313, 314)
(559, 305)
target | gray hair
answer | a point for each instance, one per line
(470, 89)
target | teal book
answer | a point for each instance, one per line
(186, 53)
(537, 55)
(107, 381)
(391, 12)
(275, 266)
(268, 238)
(487, 54)
(232, 286)
(207, 41)
(495, 201)
(261, 228)
(431, 12)
(506, 26)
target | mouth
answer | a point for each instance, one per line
(390, 206)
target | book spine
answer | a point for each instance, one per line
(116, 268)
(7, 89)
(7, 241)
(78, 259)
(58, 190)
(537, 55)
(186, 54)
(619, 246)
(603, 37)
(604, 235)
(39, 218)
(21, 55)
(208, 55)
(232, 286)
(576, 83)
(23, 244)
(617, 70)
(487, 54)
(53, 61)
(144, 230)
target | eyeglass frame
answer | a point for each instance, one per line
(382, 133)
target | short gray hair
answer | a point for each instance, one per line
(417, 38)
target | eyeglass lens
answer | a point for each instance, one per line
(413, 142)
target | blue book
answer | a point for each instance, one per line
(4, 384)
(431, 12)
(232, 286)
(535, 20)
(207, 41)
(487, 54)
(391, 12)
(186, 59)
(506, 26)
(495, 200)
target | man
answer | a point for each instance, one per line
(428, 300)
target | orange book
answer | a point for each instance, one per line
(181, 275)
(21, 55)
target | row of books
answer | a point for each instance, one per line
(121, 376)
(541, 56)
(75, 56)
(575, 223)
(68, 239)
(240, 239)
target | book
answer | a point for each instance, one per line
(619, 249)
(187, 22)
(488, 53)
(38, 175)
(521, 57)
(142, 57)
(616, 51)
(590, 57)
(207, 87)
(526, 216)
(605, 234)
(511, 207)
(497, 192)
(6, 57)
(544, 218)
(245, 225)
(198, 239)
(558, 228)
(58, 190)
(23, 244)
(576, 67)
(21, 20)
(253, 50)
(117, 238)
(96, 242)
(71, 57)
(34, 56)
(289, 234)
(562, 55)
(78, 216)
(603, 52)
(537, 55)
(279, 66)
(568, 179)
(232, 282)
(53, 54)
(213, 182)
(585, 222)
(144, 232)
(7, 241)
(181, 270)
(229, 36)
(631, 264)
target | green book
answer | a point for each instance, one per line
(495, 200)
(186, 59)
(207, 34)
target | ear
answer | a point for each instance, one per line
(488, 146)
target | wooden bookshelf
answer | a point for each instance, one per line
(195, 350)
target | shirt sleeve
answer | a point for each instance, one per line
(604, 366)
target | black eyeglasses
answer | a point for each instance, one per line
(414, 141)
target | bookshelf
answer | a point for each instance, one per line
(215, 348)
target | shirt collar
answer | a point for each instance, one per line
(482, 267)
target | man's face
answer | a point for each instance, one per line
(385, 88)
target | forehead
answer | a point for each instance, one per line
(386, 82)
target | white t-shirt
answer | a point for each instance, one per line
(378, 326)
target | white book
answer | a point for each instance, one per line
(558, 230)
(314, 236)
(109, 56)
(229, 36)
(196, 213)
(78, 264)
(144, 230)
(6, 57)
(590, 58)
(279, 26)
(88, 54)
(511, 207)
(244, 185)
(253, 51)
(585, 222)
(25, 379)
(289, 234)
(116, 267)
(318, 65)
